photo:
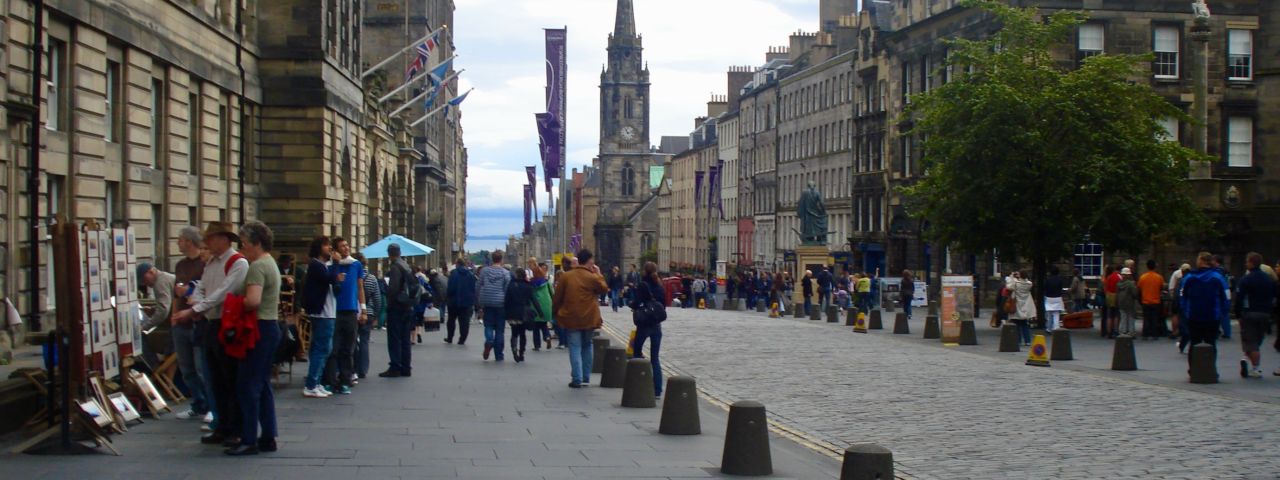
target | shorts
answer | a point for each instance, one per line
(1253, 328)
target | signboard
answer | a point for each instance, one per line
(890, 286)
(721, 272)
(956, 306)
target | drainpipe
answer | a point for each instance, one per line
(244, 138)
(33, 173)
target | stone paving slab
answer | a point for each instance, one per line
(457, 417)
(949, 413)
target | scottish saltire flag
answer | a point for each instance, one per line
(456, 101)
(419, 62)
(436, 80)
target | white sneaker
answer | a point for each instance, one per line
(208, 417)
(206, 428)
(187, 415)
(317, 392)
(1255, 373)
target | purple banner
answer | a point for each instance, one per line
(528, 209)
(548, 134)
(697, 187)
(557, 92)
(719, 181)
(532, 172)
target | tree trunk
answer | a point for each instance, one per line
(1040, 268)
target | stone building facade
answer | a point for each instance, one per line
(727, 210)
(691, 216)
(165, 113)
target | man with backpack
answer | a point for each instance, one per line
(403, 292)
(1204, 303)
(461, 296)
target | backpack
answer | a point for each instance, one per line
(648, 312)
(411, 289)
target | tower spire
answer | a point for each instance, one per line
(625, 24)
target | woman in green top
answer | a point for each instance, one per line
(261, 291)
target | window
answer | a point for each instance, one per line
(193, 130)
(223, 131)
(1165, 45)
(112, 196)
(54, 186)
(906, 82)
(1240, 142)
(157, 122)
(1239, 54)
(1170, 126)
(926, 74)
(1088, 259)
(1091, 41)
(57, 88)
(114, 121)
(628, 181)
(157, 235)
(906, 156)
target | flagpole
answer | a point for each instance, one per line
(423, 94)
(413, 80)
(393, 56)
(437, 110)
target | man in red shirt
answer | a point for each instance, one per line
(1110, 314)
(1151, 285)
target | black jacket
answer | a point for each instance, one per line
(647, 290)
(316, 286)
(519, 301)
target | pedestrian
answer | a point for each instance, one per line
(699, 288)
(1203, 304)
(1150, 287)
(403, 292)
(806, 290)
(461, 296)
(541, 304)
(650, 288)
(439, 282)
(1020, 287)
(1227, 282)
(1255, 301)
(188, 334)
(261, 291)
(162, 286)
(425, 302)
(615, 282)
(352, 313)
(577, 313)
(863, 287)
(1110, 316)
(780, 285)
(1079, 292)
(1053, 304)
(519, 310)
(567, 263)
(321, 307)
(226, 271)
(632, 279)
(824, 287)
(1127, 299)
(907, 291)
(491, 290)
(372, 286)
(1175, 291)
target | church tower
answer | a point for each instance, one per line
(624, 89)
(619, 177)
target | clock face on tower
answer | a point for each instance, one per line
(628, 133)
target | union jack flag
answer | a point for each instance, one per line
(420, 62)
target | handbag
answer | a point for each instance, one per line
(995, 320)
(1010, 305)
(648, 312)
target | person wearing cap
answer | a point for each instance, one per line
(224, 272)
(1127, 297)
(162, 286)
(188, 336)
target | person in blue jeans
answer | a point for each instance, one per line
(491, 291)
(578, 313)
(650, 288)
(261, 290)
(322, 309)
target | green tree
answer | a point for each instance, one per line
(1031, 155)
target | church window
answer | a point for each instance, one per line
(627, 106)
(628, 181)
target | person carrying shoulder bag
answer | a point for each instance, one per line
(648, 312)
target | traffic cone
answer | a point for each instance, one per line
(702, 304)
(860, 324)
(1039, 354)
(773, 310)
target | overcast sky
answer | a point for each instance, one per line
(688, 44)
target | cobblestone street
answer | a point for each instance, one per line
(948, 413)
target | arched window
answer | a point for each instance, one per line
(628, 181)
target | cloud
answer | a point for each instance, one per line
(688, 47)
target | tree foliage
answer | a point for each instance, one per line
(1031, 155)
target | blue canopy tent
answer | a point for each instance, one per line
(408, 248)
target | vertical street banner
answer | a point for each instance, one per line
(557, 94)
(697, 188)
(719, 180)
(957, 306)
(528, 209)
(532, 172)
(548, 133)
(713, 187)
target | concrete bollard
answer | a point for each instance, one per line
(615, 367)
(760, 307)
(932, 330)
(1204, 364)
(1009, 341)
(746, 441)
(968, 334)
(933, 308)
(851, 316)
(727, 305)
(741, 305)
(637, 389)
(598, 345)
(875, 322)
(798, 310)
(833, 314)
(1061, 345)
(901, 325)
(867, 462)
(875, 316)
(1123, 357)
(815, 312)
(680, 408)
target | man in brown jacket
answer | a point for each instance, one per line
(578, 313)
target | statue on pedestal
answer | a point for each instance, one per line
(1202, 12)
(812, 213)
